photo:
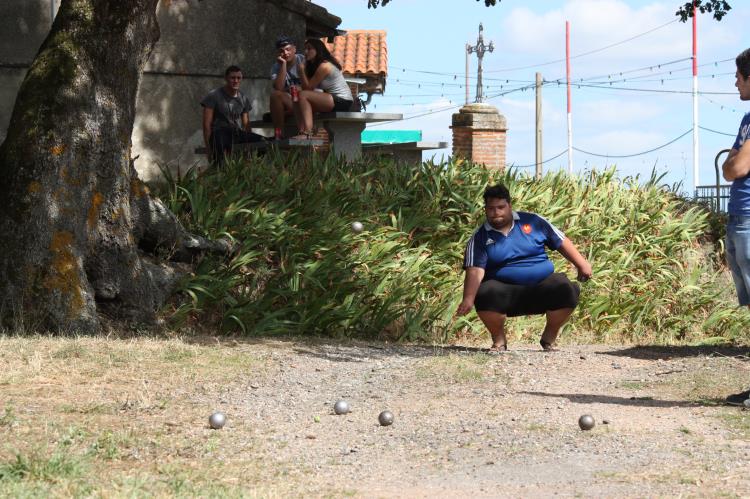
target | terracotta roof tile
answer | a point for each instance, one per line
(361, 53)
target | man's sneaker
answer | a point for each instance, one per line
(738, 398)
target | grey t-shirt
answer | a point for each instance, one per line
(228, 110)
(292, 74)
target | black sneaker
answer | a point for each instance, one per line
(738, 398)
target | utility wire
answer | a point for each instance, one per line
(447, 108)
(543, 162)
(656, 90)
(455, 75)
(586, 53)
(716, 131)
(632, 155)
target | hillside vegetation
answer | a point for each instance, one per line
(300, 269)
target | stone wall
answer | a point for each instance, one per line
(198, 41)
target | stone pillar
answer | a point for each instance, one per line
(479, 135)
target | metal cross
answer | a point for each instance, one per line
(480, 48)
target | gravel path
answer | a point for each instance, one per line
(469, 424)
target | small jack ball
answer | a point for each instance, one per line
(357, 227)
(217, 420)
(385, 418)
(341, 407)
(586, 422)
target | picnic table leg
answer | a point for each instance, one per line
(346, 138)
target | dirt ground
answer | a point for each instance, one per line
(128, 417)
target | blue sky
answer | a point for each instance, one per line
(626, 117)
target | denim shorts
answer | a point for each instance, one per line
(738, 255)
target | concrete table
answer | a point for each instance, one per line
(345, 130)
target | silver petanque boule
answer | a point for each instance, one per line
(357, 227)
(385, 418)
(586, 422)
(217, 420)
(341, 407)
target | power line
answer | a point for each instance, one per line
(716, 131)
(655, 90)
(455, 74)
(586, 53)
(633, 155)
(435, 111)
(543, 162)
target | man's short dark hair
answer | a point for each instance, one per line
(283, 41)
(498, 191)
(743, 63)
(232, 69)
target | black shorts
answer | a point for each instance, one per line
(553, 293)
(341, 104)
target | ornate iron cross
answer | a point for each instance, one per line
(480, 48)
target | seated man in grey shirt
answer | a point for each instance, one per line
(285, 74)
(226, 117)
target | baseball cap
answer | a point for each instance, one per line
(283, 41)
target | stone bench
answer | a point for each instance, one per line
(285, 144)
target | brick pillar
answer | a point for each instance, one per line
(479, 135)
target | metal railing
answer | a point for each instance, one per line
(716, 196)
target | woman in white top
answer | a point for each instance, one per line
(322, 71)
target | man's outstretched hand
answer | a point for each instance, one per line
(465, 307)
(585, 272)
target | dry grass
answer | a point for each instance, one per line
(124, 417)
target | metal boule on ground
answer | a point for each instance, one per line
(217, 420)
(385, 418)
(586, 422)
(341, 407)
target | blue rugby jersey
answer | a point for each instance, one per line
(518, 258)
(739, 193)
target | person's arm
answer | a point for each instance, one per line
(569, 251)
(472, 280)
(208, 119)
(246, 121)
(737, 164)
(279, 82)
(323, 70)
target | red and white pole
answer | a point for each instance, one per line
(570, 120)
(696, 158)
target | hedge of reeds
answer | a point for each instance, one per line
(301, 270)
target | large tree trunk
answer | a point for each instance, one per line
(73, 208)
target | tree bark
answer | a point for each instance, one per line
(74, 210)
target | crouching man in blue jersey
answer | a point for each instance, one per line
(508, 272)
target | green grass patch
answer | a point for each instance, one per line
(456, 368)
(738, 421)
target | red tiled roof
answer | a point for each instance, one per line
(361, 53)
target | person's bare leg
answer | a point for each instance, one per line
(495, 324)
(555, 320)
(311, 102)
(281, 104)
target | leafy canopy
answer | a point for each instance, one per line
(719, 8)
